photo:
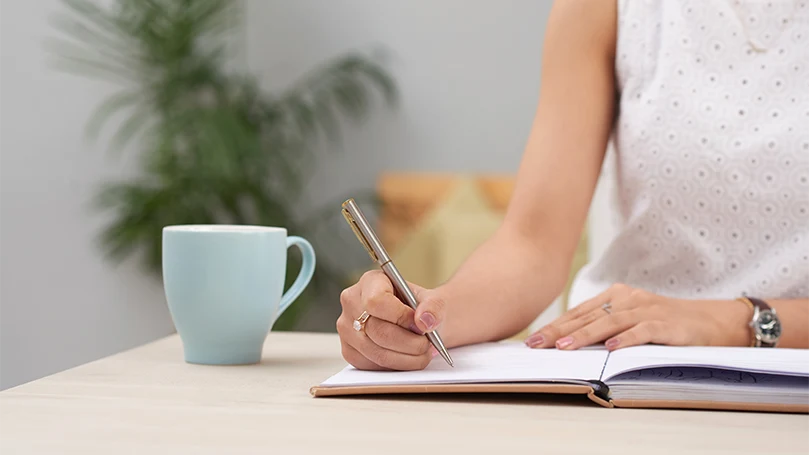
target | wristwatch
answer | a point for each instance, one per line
(765, 325)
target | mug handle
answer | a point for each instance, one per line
(304, 276)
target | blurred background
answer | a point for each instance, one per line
(120, 117)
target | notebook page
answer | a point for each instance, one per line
(762, 360)
(485, 363)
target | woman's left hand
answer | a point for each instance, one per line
(623, 316)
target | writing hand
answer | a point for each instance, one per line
(393, 336)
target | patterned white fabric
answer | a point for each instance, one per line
(712, 151)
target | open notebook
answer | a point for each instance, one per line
(775, 380)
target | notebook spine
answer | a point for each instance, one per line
(601, 390)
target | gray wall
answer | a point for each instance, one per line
(468, 73)
(60, 304)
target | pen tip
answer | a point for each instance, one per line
(447, 358)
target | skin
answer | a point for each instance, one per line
(513, 276)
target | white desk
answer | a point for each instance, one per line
(149, 401)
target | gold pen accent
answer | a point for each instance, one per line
(366, 235)
(360, 237)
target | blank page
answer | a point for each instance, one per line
(486, 363)
(794, 362)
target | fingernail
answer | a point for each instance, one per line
(433, 351)
(415, 329)
(612, 343)
(564, 342)
(428, 320)
(535, 340)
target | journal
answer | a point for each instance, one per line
(752, 379)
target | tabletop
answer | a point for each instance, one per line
(148, 400)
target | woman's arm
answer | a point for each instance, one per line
(518, 272)
(510, 279)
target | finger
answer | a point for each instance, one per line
(392, 337)
(357, 360)
(643, 333)
(599, 330)
(430, 312)
(566, 328)
(386, 358)
(383, 358)
(615, 292)
(573, 319)
(385, 306)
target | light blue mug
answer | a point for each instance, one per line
(224, 287)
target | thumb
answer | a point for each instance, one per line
(430, 312)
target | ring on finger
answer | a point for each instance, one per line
(359, 323)
(607, 307)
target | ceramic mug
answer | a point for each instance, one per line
(224, 287)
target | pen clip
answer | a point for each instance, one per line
(359, 234)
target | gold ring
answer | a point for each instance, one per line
(607, 307)
(359, 323)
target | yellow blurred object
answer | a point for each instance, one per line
(431, 252)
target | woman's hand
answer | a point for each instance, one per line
(623, 316)
(392, 337)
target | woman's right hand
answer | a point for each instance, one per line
(393, 336)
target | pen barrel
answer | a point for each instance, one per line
(403, 291)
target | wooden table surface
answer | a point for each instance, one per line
(148, 400)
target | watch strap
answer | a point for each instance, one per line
(749, 303)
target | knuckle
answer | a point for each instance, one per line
(382, 358)
(371, 276)
(345, 351)
(350, 356)
(368, 275)
(380, 333)
(423, 345)
(373, 303)
(620, 288)
(645, 330)
(639, 296)
(438, 305)
(577, 312)
(405, 317)
(424, 360)
(582, 334)
(345, 297)
(653, 326)
(590, 316)
(550, 332)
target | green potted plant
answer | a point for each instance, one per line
(213, 147)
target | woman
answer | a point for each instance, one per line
(708, 106)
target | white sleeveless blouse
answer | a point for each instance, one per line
(712, 151)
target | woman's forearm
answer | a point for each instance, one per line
(503, 286)
(517, 273)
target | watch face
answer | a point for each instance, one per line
(769, 327)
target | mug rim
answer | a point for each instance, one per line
(222, 228)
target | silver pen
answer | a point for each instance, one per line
(359, 224)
